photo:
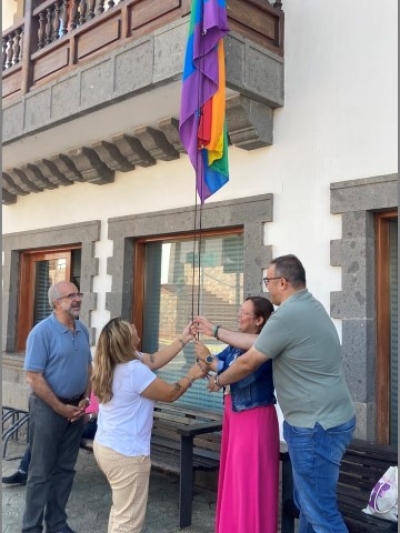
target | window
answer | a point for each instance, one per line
(175, 283)
(387, 327)
(39, 270)
(366, 303)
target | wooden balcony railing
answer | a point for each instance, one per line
(55, 36)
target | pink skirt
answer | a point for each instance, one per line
(248, 486)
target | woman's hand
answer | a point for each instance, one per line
(197, 371)
(201, 351)
(187, 334)
(202, 325)
(213, 387)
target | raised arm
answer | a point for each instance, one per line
(242, 367)
(244, 341)
(161, 391)
(159, 359)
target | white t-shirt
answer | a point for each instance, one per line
(124, 423)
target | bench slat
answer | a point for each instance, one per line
(362, 466)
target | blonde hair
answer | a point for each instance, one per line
(114, 347)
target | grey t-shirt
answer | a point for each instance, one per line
(303, 343)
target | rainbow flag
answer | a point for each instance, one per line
(202, 123)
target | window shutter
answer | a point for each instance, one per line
(172, 279)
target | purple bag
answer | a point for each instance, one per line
(383, 499)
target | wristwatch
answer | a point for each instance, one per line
(209, 359)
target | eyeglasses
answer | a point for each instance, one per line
(71, 296)
(267, 280)
(245, 313)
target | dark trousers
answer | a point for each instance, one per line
(88, 432)
(54, 446)
(25, 461)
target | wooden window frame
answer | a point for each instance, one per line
(27, 285)
(383, 326)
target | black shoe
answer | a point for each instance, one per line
(19, 478)
(66, 529)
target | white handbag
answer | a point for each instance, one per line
(383, 499)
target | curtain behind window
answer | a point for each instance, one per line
(173, 273)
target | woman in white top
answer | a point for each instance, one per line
(127, 389)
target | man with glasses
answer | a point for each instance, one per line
(304, 346)
(58, 366)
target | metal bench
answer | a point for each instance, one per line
(13, 420)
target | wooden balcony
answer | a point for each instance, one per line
(57, 36)
(91, 89)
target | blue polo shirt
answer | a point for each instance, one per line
(61, 356)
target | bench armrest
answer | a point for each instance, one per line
(198, 429)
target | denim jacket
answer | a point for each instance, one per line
(252, 391)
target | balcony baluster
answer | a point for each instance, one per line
(64, 18)
(100, 9)
(57, 20)
(82, 12)
(4, 45)
(9, 53)
(49, 26)
(17, 47)
(92, 5)
(74, 15)
(42, 30)
(21, 44)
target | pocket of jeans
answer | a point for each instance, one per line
(346, 427)
(298, 430)
(300, 437)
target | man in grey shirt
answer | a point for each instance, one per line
(304, 346)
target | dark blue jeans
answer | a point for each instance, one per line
(54, 447)
(315, 454)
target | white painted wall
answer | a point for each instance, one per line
(339, 123)
(8, 10)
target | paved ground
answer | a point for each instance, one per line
(90, 502)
